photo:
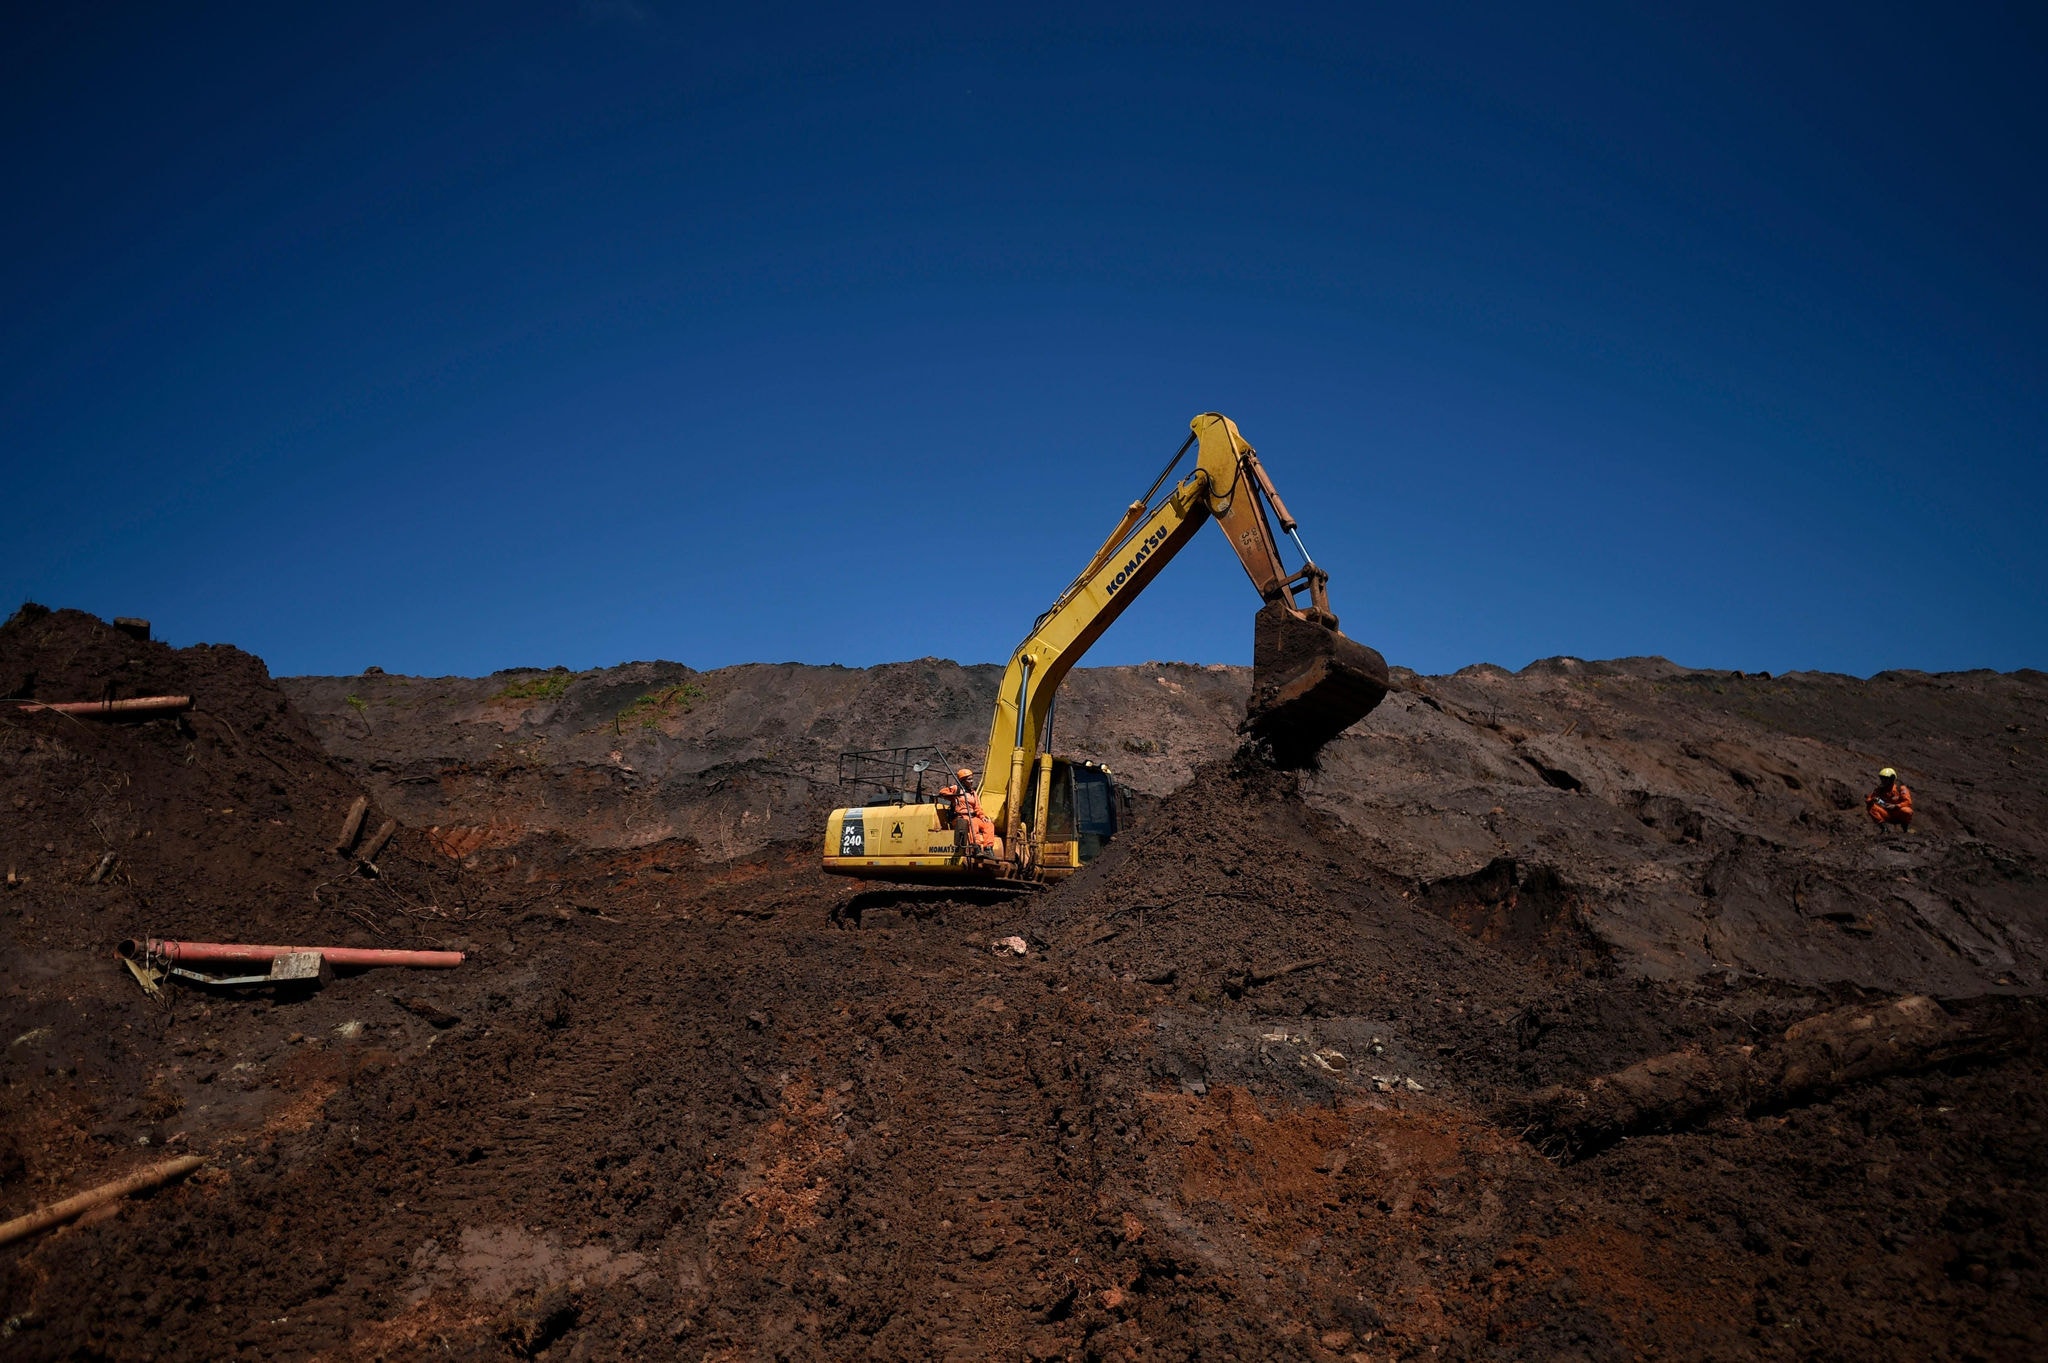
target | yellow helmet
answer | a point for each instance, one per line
(1888, 775)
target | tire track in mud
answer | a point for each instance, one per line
(824, 1147)
(988, 1179)
(986, 1156)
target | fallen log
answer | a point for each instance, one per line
(377, 840)
(143, 1179)
(1257, 976)
(1850, 1045)
(151, 947)
(103, 709)
(1238, 982)
(1684, 1088)
(352, 824)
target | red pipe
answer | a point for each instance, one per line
(224, 951)
(139, 705)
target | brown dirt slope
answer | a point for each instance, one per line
(731, 759)
(1241, 1098)
(1678, 822)
(1699, 821)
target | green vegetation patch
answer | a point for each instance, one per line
(657, 707)
(541, 686)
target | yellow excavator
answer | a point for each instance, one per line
(1037, 817)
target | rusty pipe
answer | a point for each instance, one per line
(338, 956)
(139, 705)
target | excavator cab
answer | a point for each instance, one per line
(1084, 808)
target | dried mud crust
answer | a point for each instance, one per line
(1688, 822)
(678, 1114)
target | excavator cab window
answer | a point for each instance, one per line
(1081, 806)
(1059, 805)
(1094, 811)
(1059, 809)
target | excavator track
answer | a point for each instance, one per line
(1309, 684)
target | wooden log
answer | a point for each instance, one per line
(1817, 1056)
(1658, 1094)
(353, 824)
(377, 841)
(143, 1179)
(1853, 1044)
(1266, 975)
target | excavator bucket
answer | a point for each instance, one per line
(1309, 684)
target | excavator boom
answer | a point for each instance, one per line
(1309, 682)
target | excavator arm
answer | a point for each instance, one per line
(1309, 682)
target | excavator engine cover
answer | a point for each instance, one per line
(1309, 684)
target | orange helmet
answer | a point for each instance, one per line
(965, 773)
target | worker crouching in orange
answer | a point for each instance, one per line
(973, 832)
(1891, 803)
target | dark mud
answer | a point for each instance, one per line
(215, 824)
(1240, 1098)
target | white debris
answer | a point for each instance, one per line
(1009, 946)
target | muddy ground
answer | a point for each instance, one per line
(1258, 1087)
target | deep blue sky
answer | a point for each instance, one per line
(450, 339)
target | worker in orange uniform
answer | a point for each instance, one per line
(1891, 802)
(973, 831)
